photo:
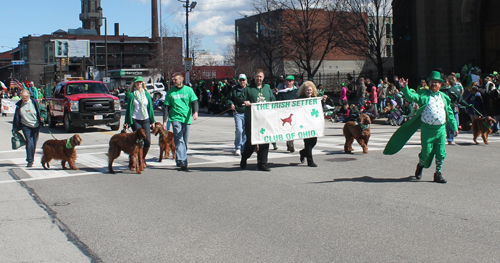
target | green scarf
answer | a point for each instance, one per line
(68, 144)
(143, 100)
(489, 127)
(363, 126)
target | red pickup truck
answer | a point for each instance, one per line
(83, 103)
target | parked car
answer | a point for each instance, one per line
(83, 103)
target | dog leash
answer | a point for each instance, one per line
(211, 117)
(43, 125)
(477, 111)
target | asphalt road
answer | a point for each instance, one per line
(352, 208)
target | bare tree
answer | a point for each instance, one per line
(370, 36)
(311, 30)
(164, 60)
(261, 39)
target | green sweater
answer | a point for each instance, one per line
(129, 98)
(232, 97)
(256, 95)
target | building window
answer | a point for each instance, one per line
(116, 46)
(388, 30)
(140, 47)
(135, 58)
(134, 47)
(388, 50)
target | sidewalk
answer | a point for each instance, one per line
(27, 232)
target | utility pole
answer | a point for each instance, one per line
(188, 62)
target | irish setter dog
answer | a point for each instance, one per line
(166, 141)
(482, 127)
(359, 130)
(130, 143)
(63, 150)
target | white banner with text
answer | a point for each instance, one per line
(287, 120)
(9, 105)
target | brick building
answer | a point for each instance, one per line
(337, 61)
(446, 34)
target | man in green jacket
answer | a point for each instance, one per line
(435, 111)
(255, 93)
(239, 115)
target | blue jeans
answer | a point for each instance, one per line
(181, 134)
(239, 135)
(145, 124)
(31, 136)
(381, 104)
(449, 133)
(361, 101)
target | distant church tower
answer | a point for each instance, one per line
(91, 15)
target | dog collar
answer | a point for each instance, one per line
(139, 141)
(489, 127)
(363, 126)
(68, 144)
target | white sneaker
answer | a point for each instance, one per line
(237, 152)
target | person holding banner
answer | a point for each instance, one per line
(287, 92)
(255, 93)
(308, 90)
(28, 118)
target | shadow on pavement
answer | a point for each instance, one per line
(368, 179)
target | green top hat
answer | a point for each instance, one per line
(435, 75)
(137, 79)
(290, 77)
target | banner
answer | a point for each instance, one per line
(71, 48)
(9, 106)
(287, 120)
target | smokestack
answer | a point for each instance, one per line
(154, 18)
(117, 29)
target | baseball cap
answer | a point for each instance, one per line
(290, 77)
(242, 76)
(137, 79)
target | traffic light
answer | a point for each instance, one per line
(63, 61)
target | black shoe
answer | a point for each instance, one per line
(263, 167)
(30, 164)
(312, 164)
(438, 178)
(418, 171)
(302, 157)
(243, 163)
(184, 167)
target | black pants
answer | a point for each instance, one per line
(145, 124)
(309, 144)
(249, 148)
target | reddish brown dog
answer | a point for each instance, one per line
(482, 126)
(359, 130)
(166, 141)
(130, 144)
(63, 150)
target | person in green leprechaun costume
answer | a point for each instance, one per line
(431, 118)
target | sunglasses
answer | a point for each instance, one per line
(242, 79)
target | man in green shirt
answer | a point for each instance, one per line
(183, 105)
(255, 93)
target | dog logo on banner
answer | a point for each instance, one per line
(287, 120)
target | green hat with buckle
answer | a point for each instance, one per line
(137, 79)
(435, 75)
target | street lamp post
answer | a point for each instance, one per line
(189, 7)
(99, 9)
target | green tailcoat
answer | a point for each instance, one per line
(404, 133)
